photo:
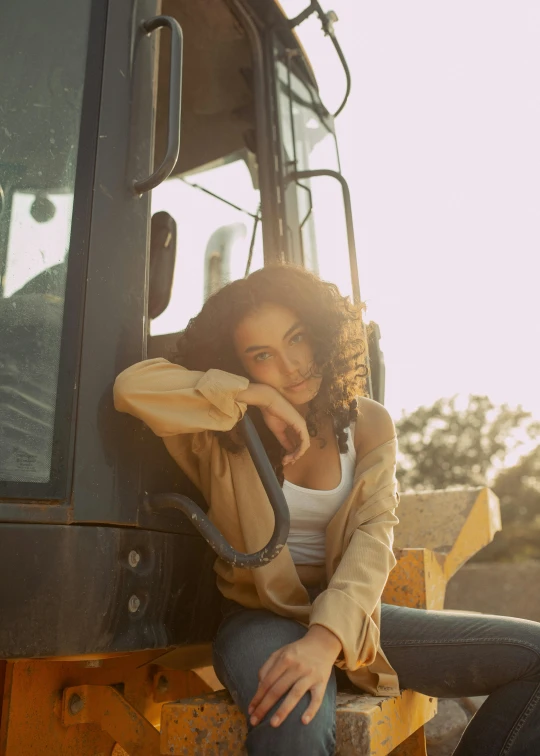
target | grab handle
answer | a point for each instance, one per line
(175, 103)
(216, 539)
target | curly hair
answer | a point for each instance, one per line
(335, 330)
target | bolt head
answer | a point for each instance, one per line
(76, 704)
(134, 603)
(134, 558)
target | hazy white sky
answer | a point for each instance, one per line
(440, 142)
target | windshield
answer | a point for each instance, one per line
(40, 105)
(315, 217)
(218, 231)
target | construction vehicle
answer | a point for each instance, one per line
(149, 152)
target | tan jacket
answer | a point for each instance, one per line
(184, 407)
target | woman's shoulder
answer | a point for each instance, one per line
(373, 427)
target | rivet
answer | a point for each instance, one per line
(134, 603)
(134, 558)
(76, 704)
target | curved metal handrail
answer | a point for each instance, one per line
(216, 539)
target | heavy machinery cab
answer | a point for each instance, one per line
(102, 263)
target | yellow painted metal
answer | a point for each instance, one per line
(438, 532)
(483, 522)
(375, 726)
(453, 523)
(212, 725)
(31, 723)
(119, 751)
(417, 580)
(187, 657)
(104, 706)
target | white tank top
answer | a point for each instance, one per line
(311, 510)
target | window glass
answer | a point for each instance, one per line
(316, 208)
(40, 105)
(216, 242)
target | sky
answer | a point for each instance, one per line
(440, 142)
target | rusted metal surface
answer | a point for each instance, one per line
(104, 706)
(415, 745)
(417, 580)
(212, 725)
(31, 722)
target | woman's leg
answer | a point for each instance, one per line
(452, 654)
(243, 643)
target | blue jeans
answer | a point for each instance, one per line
(443, 654)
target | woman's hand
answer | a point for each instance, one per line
(285, 422)
(296, 668)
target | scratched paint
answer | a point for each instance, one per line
(365, 724)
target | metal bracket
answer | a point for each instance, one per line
(104, 706)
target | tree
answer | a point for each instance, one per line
(518, 489)
(443, 446)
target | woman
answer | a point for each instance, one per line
(287, 348)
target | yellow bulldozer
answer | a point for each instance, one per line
(150, 152)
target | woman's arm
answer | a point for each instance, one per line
(340, 621)
(172, 400)
(359, 568)
(355, 589)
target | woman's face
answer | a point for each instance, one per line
(274, 348)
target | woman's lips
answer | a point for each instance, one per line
(297, 386)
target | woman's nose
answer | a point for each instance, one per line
(290, 364)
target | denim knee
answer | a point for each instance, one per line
(318, 738)
(527, 637)
(243, 643)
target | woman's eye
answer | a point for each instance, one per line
(297, 338)
(262, 356)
